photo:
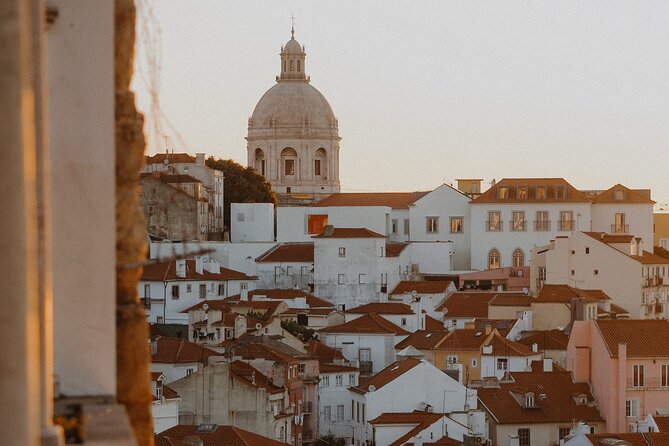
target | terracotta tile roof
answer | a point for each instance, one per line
(253, 377)
(158, 272)
(214, 304)
(289, 252)
(178, 178)
(432, 324)
(370, 323)
(159, 158)
(169, 393)
(423, 340)
(644, 338)
(503, 326)
(324, 353)
(271, 346)
(565, 293)
(610, 238)
(422, 420)
(381, 308)
(349, 233)
(165, 441)
(662, 422)
(387, 375)
(444, 441)
(334, 368)
(178, 351)
(464, 339)
(553, 395)
(221, 436)
(629, 196)
(633, 438)
(615, 310)
(505, 347)
(395, 249)
(323, 312)
(545, 339)
(512, 300)
(651, 259)
(395, 200)
(156, 375)
(255, 351)
(572, 194)
(462, 304)
(422, 286)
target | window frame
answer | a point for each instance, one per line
(457, 225)
(432, 224)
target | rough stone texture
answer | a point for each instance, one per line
(132, 349)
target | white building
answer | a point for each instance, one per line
(165, 406)
(293, 134)
(176, 358)
(251, 222)
(287, 265)
(334, 400)
(633, 278)
(168, 288)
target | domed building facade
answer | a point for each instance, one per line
(293, 134)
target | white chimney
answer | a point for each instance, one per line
(535, 347)
(199, 158)
(513, 440)
(548, 365)
(199, 266)
(154, 346)
(181, 267)
(244, 294)
(240, 326)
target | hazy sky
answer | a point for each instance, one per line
(427, 92)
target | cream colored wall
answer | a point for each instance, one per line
(540, 434)
(504, 312)
(549, 315)
(660, 229)
(464, 358)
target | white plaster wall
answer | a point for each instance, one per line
(80, 66)
(165, 414)
(382, 347)
(506, 241)
(515, 364)
(437, 257)
(251, 222)
(174, 372)
(638, 216)
(237, 256)
(291, 275)
(334, 396)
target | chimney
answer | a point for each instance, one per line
(181, 267)
(514, 440)
(548, 365)
(488, 329)
(329, 231)
(193, 440)
(535, 347)
(154, 346)
(240, 326)
(199, 158)
(199, 266)
(244, 294)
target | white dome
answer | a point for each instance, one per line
(292, 47)
(293, 104)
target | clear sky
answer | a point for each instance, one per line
(427, 92)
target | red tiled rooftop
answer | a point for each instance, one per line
(177, 351)
(387, 375)
(349, 233)
(662, 422)
(289, 252)
(432, 324)
(222, 436)
(422, 340)
(159, 158)
(644, 338)
(572, 195)
(381, 308)
(464, 304)
(545, 339)
(395, 249)
(370, 323)
(422, 286)
(422, 420)
(565, 294)
(395, 200)
(512, 300)
(334, 368)
(324, 353)
(648, 258)
(158, 272)
(633, 438)
(629, 196)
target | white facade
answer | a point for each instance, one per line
(624, 218)
(378, 347)
(334, 401)
(165, 406)
(497, 363)
(251, 222)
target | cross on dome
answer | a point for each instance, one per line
(292, 27)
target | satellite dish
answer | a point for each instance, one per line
(166, 161)
(258, 326)
(205, 306)
(371, 388)
(525, 290)
(414, 293)
(445, 310)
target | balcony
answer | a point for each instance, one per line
(493, 225)
(653, 281)
(366, 366)
(517, 225)
(620, 229)
(542, 225)
(566, 225)
(653, 383)
(307, 407)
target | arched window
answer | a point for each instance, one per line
(320, 163)
(518, 257)
(493, 259)
(288, 160)
(260, 161)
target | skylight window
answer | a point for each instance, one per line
(478, 333)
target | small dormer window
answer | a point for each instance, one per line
(529, 400)
(541, 193)
(522, 192)
(503, 192)
(560, 193)
(619, 195)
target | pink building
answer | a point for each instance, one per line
(627, 364)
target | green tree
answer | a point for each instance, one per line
(241, 185)
(301, 332)
(329, 439)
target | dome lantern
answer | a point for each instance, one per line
(292, 61)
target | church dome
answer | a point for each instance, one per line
(292, 47)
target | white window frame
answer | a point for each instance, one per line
(432, 225)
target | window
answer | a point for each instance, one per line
(541, 192)
(361, 279)
(494, 221)
(432, 225)
(159, 320)
(221, 289)
(325, 381)
(529, 400)
(363, 413)
(524, 436)
(189, 372)
(521, 192)
(560, 193)
(503, 192)
(632, 408)
(393, 226)
(357, 411)
(407, 225)
(327, 415)
(289, 270)
(304, 270)
(619, 227)
(493, 259)
(566, 222)
(456, 225)
(352, 410)
(587, 250)
(351, 379)
(277, 273)
(518, 257)
(619, 195)
(302, 368)
(502, 364)
(403, 322)
(518, 221)
(638, 375)
(339, 380)
(175, 291)
(340, 412)
(452, 359)
(316, 223)
(595, 272)
(203, 291)
(298, 65)
(563, 432)
(243, 286)
(317, 167)
(341, 279)
(342, 252)
(541, 223)
(189, 288)
(475, 363)
(665, 375)
(289, 167)
(292, 65)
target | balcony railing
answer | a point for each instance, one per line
(517, 225)
(620, 229)
(542, 225)
(366, 366)
(493, 225)
(653, 281)
(566, 225)
(647, 383)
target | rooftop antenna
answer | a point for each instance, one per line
(292, 27)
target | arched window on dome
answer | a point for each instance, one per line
(493, 259)
(289, 161)
(260, 161)
(518, 257)
(320, 164)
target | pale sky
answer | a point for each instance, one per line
(426, 92)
